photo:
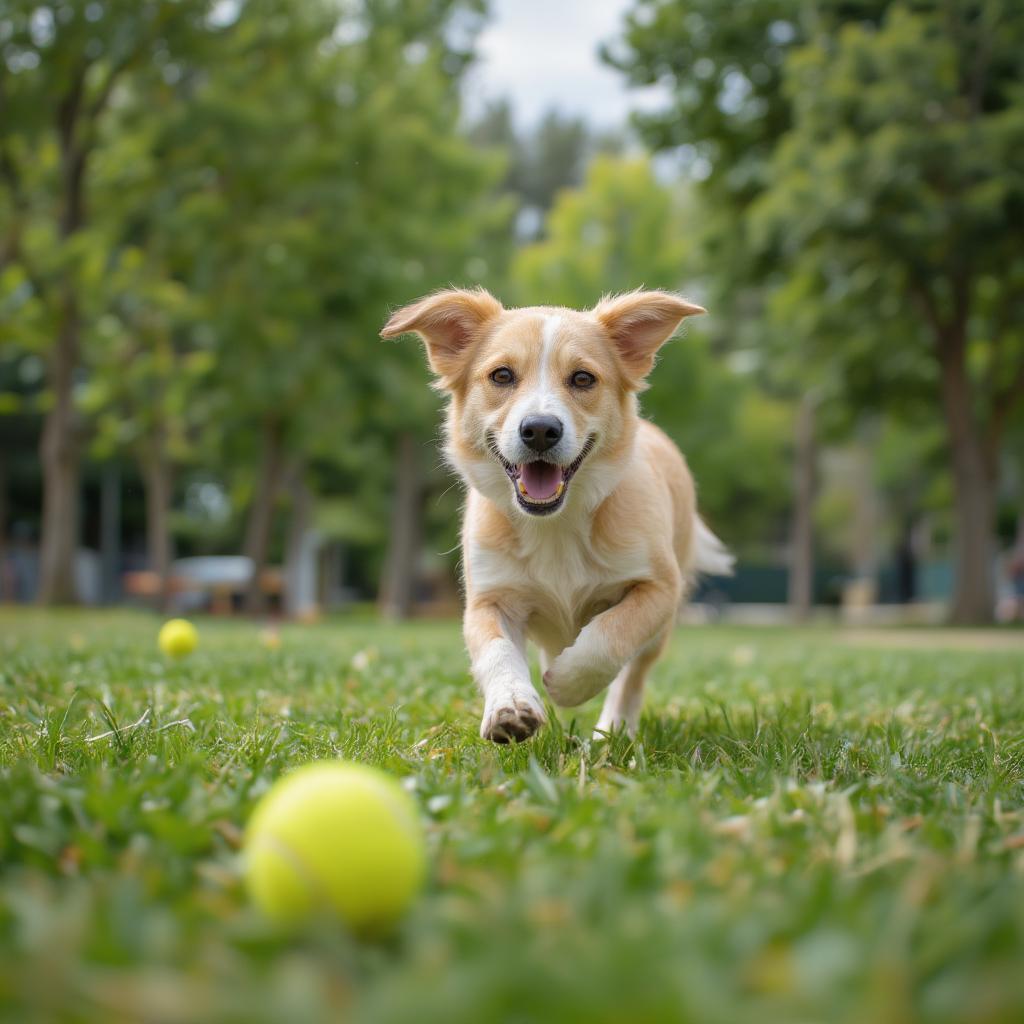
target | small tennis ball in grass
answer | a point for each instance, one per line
(177, 638)
(336, 837)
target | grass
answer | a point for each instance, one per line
(804, 831)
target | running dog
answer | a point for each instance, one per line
(581, 530)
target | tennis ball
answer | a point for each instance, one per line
(339, 837)
(177, 637)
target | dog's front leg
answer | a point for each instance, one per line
(497, 651)
(611, 639)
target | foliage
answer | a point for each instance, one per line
(725, 112)
(540, 160)
(859, 161)
(251, 221)
(63, 68)
(804, 830)
(619, 230)
(894, 196)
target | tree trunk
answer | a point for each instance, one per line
(974, 511)
(261, 513)
(801, 558)
(333, 593)
(975, 478)
(4, 596)
(59, 453)
(59, 445)
(300, 558)
(156, 471)
(110, 532)
(398, 586)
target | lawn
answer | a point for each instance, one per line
(807, 829)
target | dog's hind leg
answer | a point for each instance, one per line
(625, 696)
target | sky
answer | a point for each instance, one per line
(543, 54)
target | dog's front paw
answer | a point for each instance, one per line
(576, 675)
(515, 716)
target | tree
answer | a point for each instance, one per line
(147, 393)
(725, 113)
(540, 161)
(249, 219)
(897, 200)
(313, 219)
(621, 229)
(62, 66)
(860, 160)
(801, 569)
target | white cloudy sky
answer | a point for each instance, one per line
(543, 53)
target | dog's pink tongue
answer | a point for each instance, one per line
(540, 480)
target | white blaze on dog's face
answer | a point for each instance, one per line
(543, 399)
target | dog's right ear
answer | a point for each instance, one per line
(449, 323)
(639, 323)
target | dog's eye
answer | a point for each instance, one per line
(503, 376)
(582, 379)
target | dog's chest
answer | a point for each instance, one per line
(562, 579)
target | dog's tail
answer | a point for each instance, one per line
(710, 556)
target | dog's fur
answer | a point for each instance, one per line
(595, 571)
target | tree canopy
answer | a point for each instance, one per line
(202, 218)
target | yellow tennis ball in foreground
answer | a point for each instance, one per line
(177, 637)
(339, 837)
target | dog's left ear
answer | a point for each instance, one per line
(450, 323)
(639, 323)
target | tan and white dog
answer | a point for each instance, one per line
(581, 531)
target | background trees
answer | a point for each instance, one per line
(861, 164)
(63, 67)
(909, 247)
(207, 209)
(253, 222)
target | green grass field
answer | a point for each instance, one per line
(806, 830)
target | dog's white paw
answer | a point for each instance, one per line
(578, 674)
(516, 715)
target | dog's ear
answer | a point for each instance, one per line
(639, 323)
(449, 323)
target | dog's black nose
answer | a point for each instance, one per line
(541, 432)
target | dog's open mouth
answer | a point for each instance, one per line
(540, 486)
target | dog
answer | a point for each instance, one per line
(580, 530)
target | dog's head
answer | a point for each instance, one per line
(541, 397)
